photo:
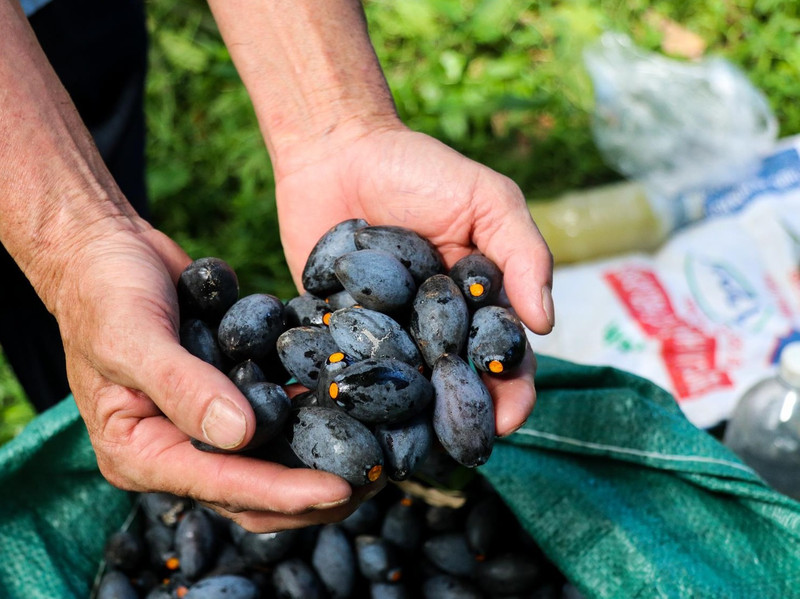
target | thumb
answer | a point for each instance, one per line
(199, 399)
(507, 235)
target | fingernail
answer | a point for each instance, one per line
(224, 424)
(511, 432)
(547, 306)
(330, 504)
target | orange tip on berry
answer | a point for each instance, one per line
(172, 563)
(476, 290)
(374, 473)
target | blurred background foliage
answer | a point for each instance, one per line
(502, 81)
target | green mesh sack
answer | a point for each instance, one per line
(56, 510)
(630, 499)
(626, 497)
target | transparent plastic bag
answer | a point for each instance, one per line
(675, 125)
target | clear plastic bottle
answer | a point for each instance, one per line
(764, 429)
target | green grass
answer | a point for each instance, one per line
(499, 80)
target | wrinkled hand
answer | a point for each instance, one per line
(393, 176)
(142, 395)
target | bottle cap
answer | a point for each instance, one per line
(789, 367)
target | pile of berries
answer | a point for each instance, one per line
(389, 344)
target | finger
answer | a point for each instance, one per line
(295, 389)
(506, 234)
(262, 522)
(199, 399)
(256, 521)
(139, 349)
(157, 456)
(514, 394)
(359, 495)
(133, 342)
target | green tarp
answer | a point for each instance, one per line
(625, 495)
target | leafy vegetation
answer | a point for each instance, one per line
(15, 411)
(500, 80)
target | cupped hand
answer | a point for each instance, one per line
(393, 176)
(143, 396)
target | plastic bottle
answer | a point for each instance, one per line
(764, 429)
(603, 221)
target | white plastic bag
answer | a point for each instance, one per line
(675, 124)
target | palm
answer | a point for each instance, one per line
(128, 371)
(398, 177)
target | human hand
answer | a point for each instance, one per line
(393, 176)
(143, 396)
(109, 279)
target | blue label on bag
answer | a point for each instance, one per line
(778, 174)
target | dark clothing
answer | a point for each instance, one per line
(99, 50)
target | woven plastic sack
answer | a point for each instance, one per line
(630, 499)
(625, 495)
(56, 510)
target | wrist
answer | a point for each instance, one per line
(310, 70)
(55, 258)
(291, 153)
(55, 192)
